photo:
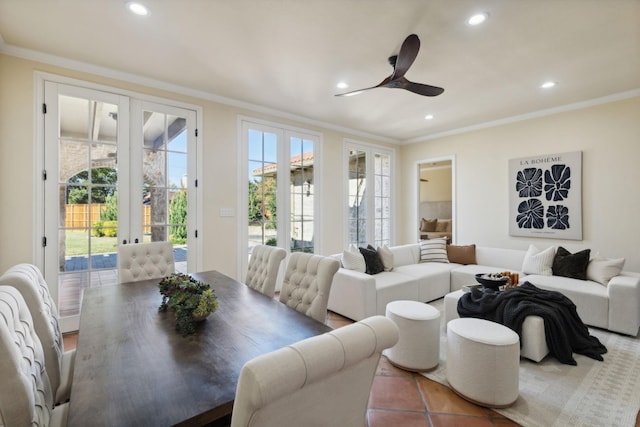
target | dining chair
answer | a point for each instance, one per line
(28, 280)
(143, 261)
(321, 381)
(307, 282)
(263, 268)
(26, 398)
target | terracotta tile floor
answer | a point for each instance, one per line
(401, 398)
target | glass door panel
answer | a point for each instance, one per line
(163, 205)
(87, 182)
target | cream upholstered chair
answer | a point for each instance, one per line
(143, 261)
(264, 265)
(321, 381)
(307, 282)
(26, 398)
(28, 280)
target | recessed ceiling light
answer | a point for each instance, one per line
(478, 18)
(138, 8)
(342, 85)
(428, 117)
(548, 85)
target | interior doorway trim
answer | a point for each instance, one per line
(415, 215)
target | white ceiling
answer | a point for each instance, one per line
(288, 55)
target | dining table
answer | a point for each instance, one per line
(133, 368)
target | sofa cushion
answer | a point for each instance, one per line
(433, 278)
(386, 256)
(462, 254)
(590, 298)
(372, 260)
(571, 265)
(427, 225)
(434, 250)
(601, 270)
(406, 254)
(352, 260)
(443, 225)
(539, 262)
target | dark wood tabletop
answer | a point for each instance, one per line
(133, 368)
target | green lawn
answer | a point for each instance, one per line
(78, 244)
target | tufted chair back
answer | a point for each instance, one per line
(307, 282)
(28, 280)
(143, 261)
(321, 381)
(264, 265)
(26, 398)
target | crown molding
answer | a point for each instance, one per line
(536, 114)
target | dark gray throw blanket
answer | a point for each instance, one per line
(565, 333)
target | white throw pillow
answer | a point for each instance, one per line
(386, 256)
(433, 250)
(352, 260)
(539, 262)
(601, 270)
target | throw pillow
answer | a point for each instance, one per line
(443, 225)
(538, 262)
(353, 261)
(372, 260)
(462, 254)
(433, 250)
(571, 265)
(386, 256)
(601, 270)
(428, 225)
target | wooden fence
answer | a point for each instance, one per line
(84, 216)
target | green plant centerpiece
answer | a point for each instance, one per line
(190, 299)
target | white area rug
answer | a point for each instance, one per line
(591, 394)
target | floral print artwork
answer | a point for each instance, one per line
(545, 196)
(557, 182)
(530, 214)
(529, 182)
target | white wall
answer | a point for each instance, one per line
(608, 136)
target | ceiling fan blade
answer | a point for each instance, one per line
(406, 56)
(419, 88)
(359, 91)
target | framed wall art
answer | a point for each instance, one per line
(545, 196)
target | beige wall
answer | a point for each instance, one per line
(438, 185)
(608, 136)
(220, 144)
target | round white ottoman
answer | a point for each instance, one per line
(483, 361)
(418, 348)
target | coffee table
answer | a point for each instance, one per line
(533, 339)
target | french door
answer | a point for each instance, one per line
(116, 171)
(281, 188)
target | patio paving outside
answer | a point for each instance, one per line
(104, 272)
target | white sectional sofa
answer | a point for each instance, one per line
(356, 295)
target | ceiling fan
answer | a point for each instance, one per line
(401, 63)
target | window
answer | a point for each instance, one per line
(368, 193)
(281, 188)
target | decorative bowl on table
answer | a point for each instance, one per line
(492, 280)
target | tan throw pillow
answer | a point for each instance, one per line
(428, 225)
(462, 254)
(602, 270)
(386, 256)
(433, 250)
(443, 225)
